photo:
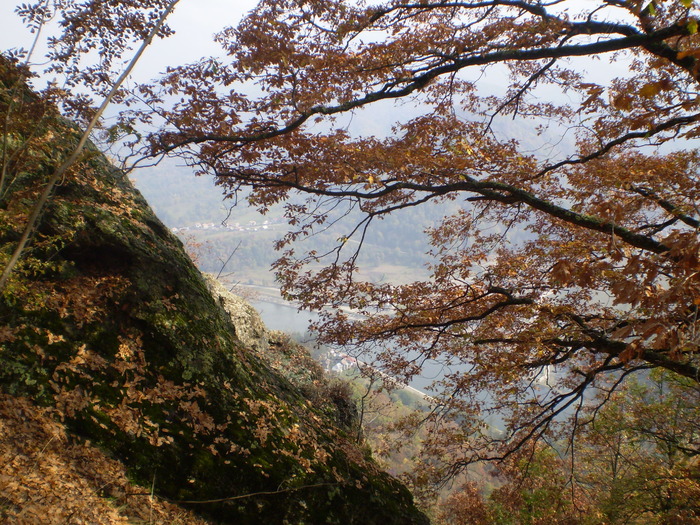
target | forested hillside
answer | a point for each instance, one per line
(219, 230)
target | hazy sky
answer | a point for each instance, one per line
(194, 21)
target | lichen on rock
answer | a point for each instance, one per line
(250, 328)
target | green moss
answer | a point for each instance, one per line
(108, 321)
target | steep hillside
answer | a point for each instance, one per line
(112, 343)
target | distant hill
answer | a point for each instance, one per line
(394, 249)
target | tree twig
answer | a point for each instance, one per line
(59, 173)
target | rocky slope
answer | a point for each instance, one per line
(112, 343)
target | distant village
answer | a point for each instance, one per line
(250, 226)
(337, 362)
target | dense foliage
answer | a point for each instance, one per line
(601, 278)
(635, 464)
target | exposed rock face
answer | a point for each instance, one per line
(250, 328)
(108, 325)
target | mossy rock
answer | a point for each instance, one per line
(107, 320)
